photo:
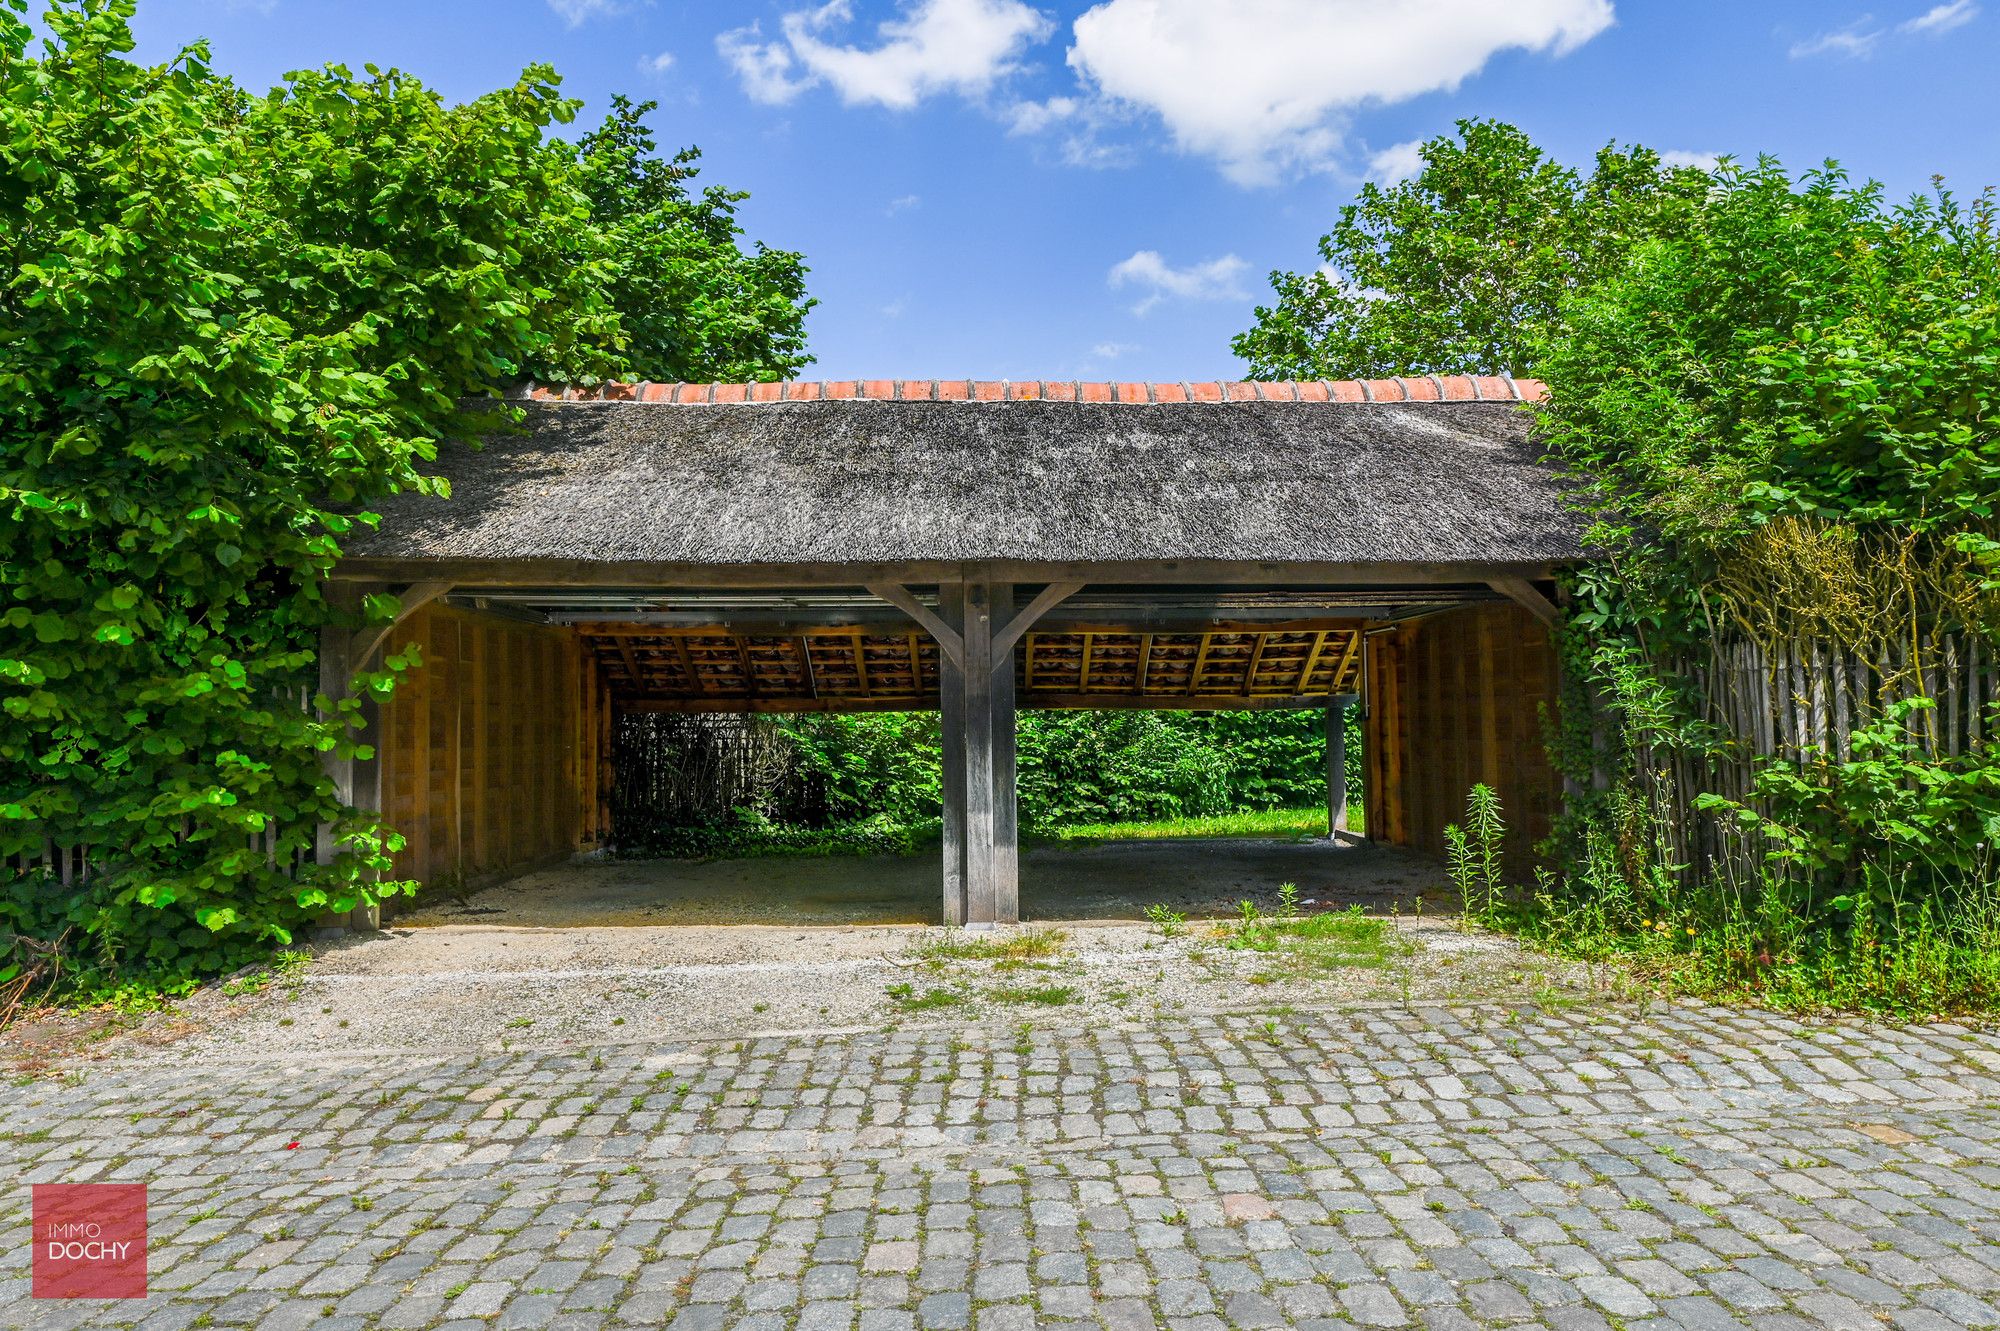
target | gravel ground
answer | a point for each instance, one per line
(1201, 878)
(492, 987)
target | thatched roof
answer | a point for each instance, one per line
(858, 479)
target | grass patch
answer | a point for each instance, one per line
(1053, 995)
(908, 999)
(1028, 945)
(1282, 824)
(1331, 940)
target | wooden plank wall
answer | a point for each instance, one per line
(494, 751)
(1456, 699)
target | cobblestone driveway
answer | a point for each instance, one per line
(1382, 1167)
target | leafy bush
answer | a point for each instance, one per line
(233, 321)
(1778, 395)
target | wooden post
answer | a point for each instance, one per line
(951, 707)
(356, 781)
(977, 629)
(1006, 862)
(1336, 766)
(983, 792)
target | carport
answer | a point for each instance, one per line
(974, 547)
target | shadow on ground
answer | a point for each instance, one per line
(1201, 879)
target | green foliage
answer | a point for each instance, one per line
(228, 323)
(1472, 854)
(1880, 832)
(1463, 267)
(870, 783)
(1329, 940)
(1777, 393)
(693, 305)
(1798, 349)
(862, 765)
(1285, 824)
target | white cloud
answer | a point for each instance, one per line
(1034, 117)
(574, 12)
(1216, 279)
(1699, 161)
(1856, 40)
(763, 68)
(1941, 19)
(656, 64)
(1397, 163)
(1859, 39)
(1264, 84)
(932, 46)
(1112, 350)
(902, 204)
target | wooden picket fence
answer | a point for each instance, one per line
(1791, 699)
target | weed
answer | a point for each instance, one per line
(909, 1000)
(1171, 923)
(1301, 943)
(1028, 945)
(1054, 995)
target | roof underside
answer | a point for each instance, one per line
(836, 482)
(843, 650)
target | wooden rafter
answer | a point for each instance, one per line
(1347, 660)
(1204, 667)
(1200, 662)
(1256, 659)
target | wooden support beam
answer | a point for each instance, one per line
(1529, 597)
(1145, 661)
(409, 600)
(951, 730)
(695, 681)
(948, 639)
(1336, 766)
(860, 648)
(1048, 599)
(981, 836)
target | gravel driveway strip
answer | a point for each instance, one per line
(1453, 1140)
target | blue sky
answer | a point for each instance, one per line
(1004, 189)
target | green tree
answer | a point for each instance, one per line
(1461, 269)
(227, 324)
(693, 304)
